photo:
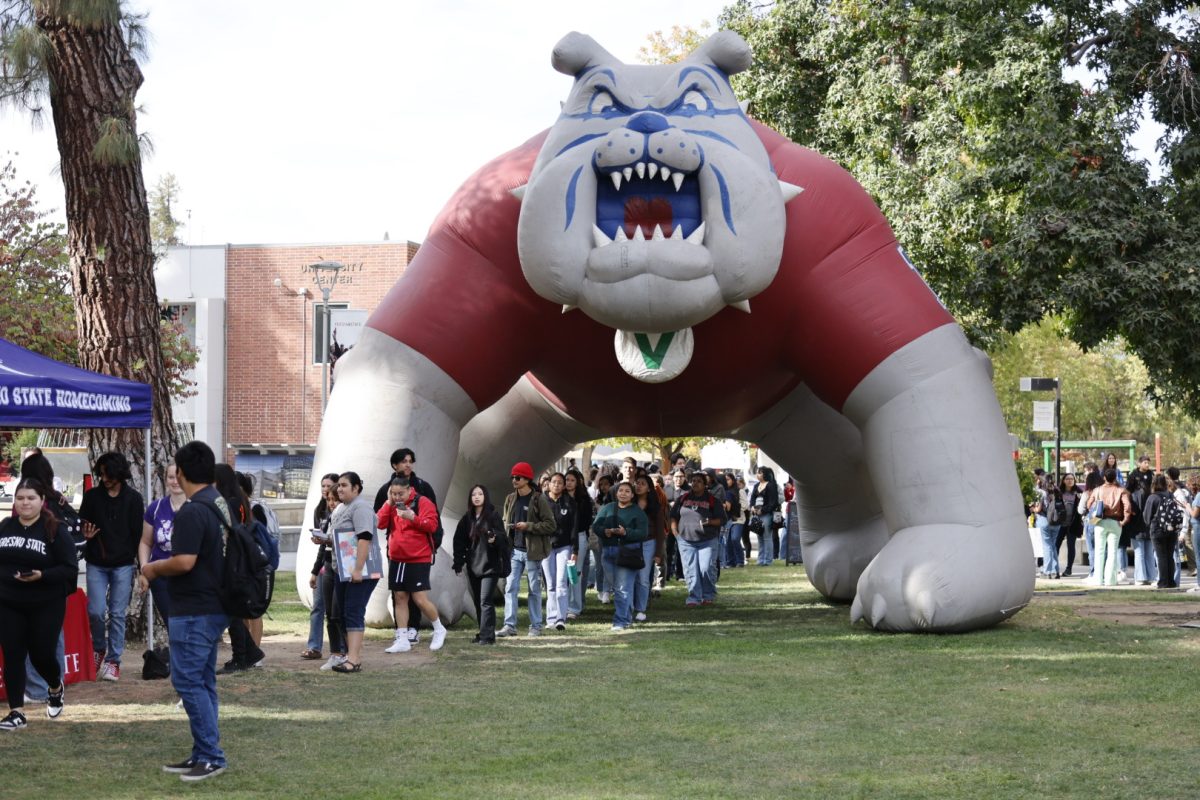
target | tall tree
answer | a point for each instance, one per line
(80, 54)
(164, 227)
(1008, 178)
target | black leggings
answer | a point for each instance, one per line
(335, 623)
(30, 630)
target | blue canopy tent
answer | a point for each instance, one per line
(39, 392)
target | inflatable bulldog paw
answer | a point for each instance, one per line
(657, 223)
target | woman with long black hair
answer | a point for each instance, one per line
(246, 652)
(354, 520)
(482, 546)
(321, 580)
(38, 569)
(647, 500)
(584, 566)
(764, 501)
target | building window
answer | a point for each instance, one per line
(320, 342)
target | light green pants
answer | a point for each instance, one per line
(1108, 537)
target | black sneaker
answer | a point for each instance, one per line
(201, 771)
(54, 702)
(15, 721)
(233, 665)
(181, 767)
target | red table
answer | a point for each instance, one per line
(77, 644)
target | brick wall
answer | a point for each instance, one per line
(270, 331)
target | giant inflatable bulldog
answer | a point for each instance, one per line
(657, 263)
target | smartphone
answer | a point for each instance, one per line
(26, 573)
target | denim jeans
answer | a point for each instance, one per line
(316, 619)
(1049, 545)
(35, 685)
(1145, 566)
(194, 643)
(1196, 548)
(1089, 534)
(623, 580)
(109, 588)
(698, 569)
(162, 599)
(521, 563)
(554, 570)
(354, 598)
(736, 555)
(766, 543)
(641, 587)
(578, 590)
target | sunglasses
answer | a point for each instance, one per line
(519, 478)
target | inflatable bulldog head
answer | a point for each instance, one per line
(652, 204)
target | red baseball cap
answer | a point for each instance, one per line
(523, 469)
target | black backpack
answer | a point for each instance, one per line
(246, 584)
(1169, 517)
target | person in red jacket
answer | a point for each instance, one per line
(410, 521)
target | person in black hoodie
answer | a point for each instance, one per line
(1163, 540)
(38, 568)
(112, 525)
(482, 546)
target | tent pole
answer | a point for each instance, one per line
(149, 596)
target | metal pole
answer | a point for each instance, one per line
(1057, 431)
(324, 348)
(149, 597)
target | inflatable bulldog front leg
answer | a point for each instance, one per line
(387, 396)
(938, 455)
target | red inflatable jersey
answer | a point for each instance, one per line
(844, 299)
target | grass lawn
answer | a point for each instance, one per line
(772, 693)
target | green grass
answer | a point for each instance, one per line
(770, 694)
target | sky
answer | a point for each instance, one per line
(302, 121)
(308, 121)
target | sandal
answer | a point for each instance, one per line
(347, 666)
(311, 654)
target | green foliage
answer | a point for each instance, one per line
(667, 48)
(1009, 182)
(116, 145)
(164, 227)
(11, 452)
(662, 447)
(179, 357)
(35, 277)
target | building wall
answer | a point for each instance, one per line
(273, 389)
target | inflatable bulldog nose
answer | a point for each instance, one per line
(596, 281)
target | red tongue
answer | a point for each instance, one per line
(640, 212)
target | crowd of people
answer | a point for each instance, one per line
(615, 536)
(1154, 515)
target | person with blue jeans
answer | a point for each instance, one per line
(696, 521)
(111, 515)
(1046, 496)
(764, 502)
(619, 524)
(531, 524)
(194, 572)
(1194, 520)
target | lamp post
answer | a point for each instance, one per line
(1045, 385)
(326, 285)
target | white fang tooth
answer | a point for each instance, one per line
(652, 169)
(678, 179)
(677, 234)
(616, 179)
(519, 192)
(600, 237)
(697, 236)
(621, 237)
(638, 236)
(640, 167)
(744, 305)
(658, 234)
(666, 173)
(568, 307)
(789, 190)
(627, 172)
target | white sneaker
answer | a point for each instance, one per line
(640, 616)
(604, 597)
(439, 638)
(400, 645)
(1194, 590)
(333, 661)
(414, 636)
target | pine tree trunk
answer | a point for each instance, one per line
(93, 81)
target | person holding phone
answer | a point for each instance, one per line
(38, 569)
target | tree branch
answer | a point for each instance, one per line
(1076, 52)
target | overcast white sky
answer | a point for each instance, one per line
(310, 121)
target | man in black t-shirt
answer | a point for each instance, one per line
(195, 570)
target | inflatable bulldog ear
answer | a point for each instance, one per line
(727, 50)
(576, 51)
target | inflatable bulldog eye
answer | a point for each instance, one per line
(695, 101)
(601, 102)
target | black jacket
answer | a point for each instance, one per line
(120, 522)
(482, 559)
